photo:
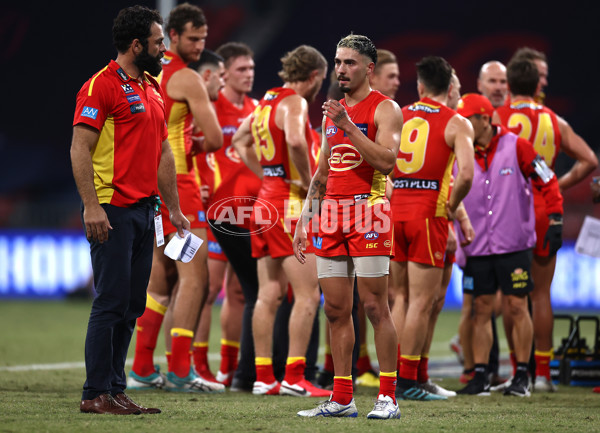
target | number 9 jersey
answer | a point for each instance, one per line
(424, 164)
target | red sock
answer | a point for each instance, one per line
(148, 327)
(328, 366)
(169, 356)
(200, 356)
(513, 361)
(229, 356)
(342, 389)
(294, 369)
(387, 384)
(422, 374)
(409, 366)
(264, 370)
(363, 363)
(181, 341)
(398, 361)
(542, 363)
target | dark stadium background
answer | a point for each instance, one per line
(49, 49)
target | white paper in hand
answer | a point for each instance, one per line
(183, 248)
(588, 241)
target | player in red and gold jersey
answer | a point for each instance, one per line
(186, 98)
(275, 143)
(548, 133)
(361, 135)
(433, 137)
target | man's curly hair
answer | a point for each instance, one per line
(134, 23)
(300, 62)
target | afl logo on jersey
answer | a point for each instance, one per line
(344, 157)
(331, 131)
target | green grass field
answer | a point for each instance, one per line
(41, 375)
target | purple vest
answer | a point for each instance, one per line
(500, 205)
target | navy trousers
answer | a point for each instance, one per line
(121, 269)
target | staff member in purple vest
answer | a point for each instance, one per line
(500, 206)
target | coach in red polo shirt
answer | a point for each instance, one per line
(121, 157)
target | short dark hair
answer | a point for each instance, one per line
(522, 76)
(529, 54)
(231, 50)
(183, 14)
(207, 58)
(133, 23)
(300, 62)
(435, 73)
(360, 44)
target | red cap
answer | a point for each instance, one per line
(474, 103)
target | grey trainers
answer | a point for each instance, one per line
(332, 408)
(385, 408)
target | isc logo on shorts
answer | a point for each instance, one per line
(371, 235)
(344, 157)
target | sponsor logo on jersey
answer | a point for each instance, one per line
(419, 106)
(331, 131)
(133, 98)
(506, 171)
(525, 104)
(269, 96)
(274, 171)
(344, 157)
(122, 74)
(89, 112)
(127, 88)
(431, 184)
(201, 216)
(358, 197)
(371, 235)
(387, 243)
(137, 108)
(229, 129)
(317, 242)
(364, 128)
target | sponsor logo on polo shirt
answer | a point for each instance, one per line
(137, 108)
(506, 171)
(122, 74)
(431, 184)
(89, 112)
(133, 98)
(127, 88)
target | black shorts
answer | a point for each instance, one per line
(510, 272)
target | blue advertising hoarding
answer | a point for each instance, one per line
(51, 264)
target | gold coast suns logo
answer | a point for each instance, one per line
(211, 161)
(344, 157)
(232, 154)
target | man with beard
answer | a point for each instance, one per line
(186, 100)
(121, 158)
(359, 148)
(275, 142)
